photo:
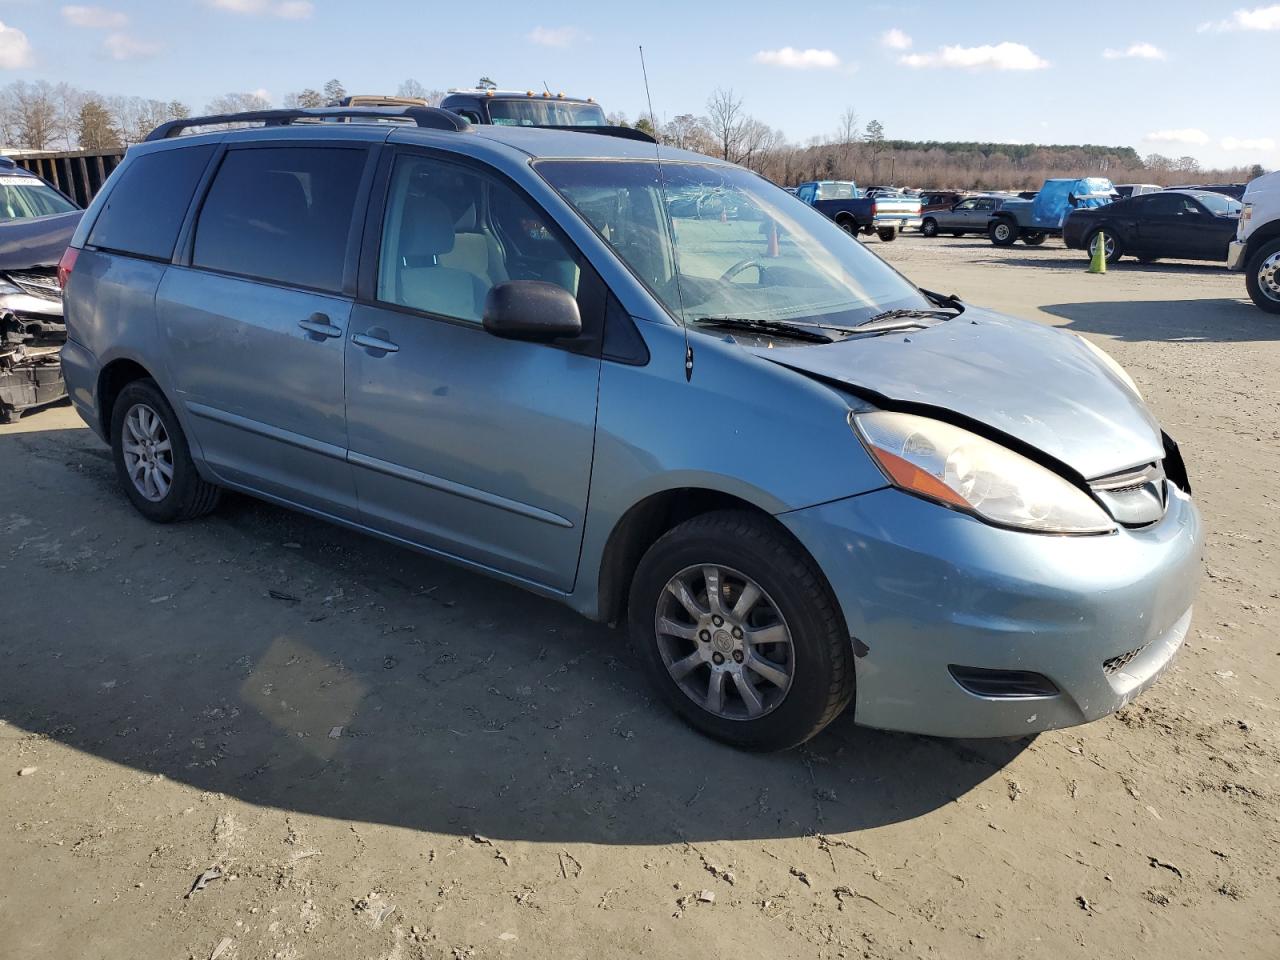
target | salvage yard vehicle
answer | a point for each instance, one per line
(854, 212)
(968, 216)
(36, 224)
(1256, 248)
(524, 108)
(1031, 221)
(1126, 190)
(1178, 224)
(801, 481)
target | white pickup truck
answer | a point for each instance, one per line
(1256, 248)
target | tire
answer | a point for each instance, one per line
(1262, 277)
(848, 225)
(1116, 249)
(957, 233)
(929, 227)
(1033, 238)
(187, 494)
(1003, 232)
(1146, 259)
(887, 234)
(742, 547)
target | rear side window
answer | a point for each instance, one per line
(281, 214)
(146, 207)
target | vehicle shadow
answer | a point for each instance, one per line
(1136, 321)
(283, 661)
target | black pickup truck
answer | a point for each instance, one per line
(843, 202)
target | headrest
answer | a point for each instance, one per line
(427, 230)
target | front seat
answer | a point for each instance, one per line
(422, 281)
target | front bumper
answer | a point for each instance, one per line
(1236, 254)
(924, 588)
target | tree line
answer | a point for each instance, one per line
(41, 115)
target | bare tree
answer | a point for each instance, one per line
(848, 133)
(32, 115)
(238, 103)
(412, 88)
(727, 121)
(334, 90)
(688, 132)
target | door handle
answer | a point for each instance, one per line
(319, 325)
(374, 343)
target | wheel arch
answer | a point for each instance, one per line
(1260, 237)
(113, 378)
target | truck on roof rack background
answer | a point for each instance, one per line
(524, 108)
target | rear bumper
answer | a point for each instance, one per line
(924, 589)
(80, 371)
(1236, 251)
(899, 220)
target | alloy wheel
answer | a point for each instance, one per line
(1108, 244)
(148, 452)
(1269, 276)
(724, 642)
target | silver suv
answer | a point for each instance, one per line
(801, 481)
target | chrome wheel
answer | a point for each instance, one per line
(1108, 245)
(1003, 232)
(1269, 277)
(724, 642)
(148, 452)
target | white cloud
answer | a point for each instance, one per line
(1000, 56)
(895, 39)
(1136, 51)
(1259, 18)
(794, 59)
(121, 46)
(15, 49)
(1188, 135)
(95, 18)
(1262, 144)
(556, 36)
(282, 9)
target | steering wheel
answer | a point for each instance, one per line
(738, 267)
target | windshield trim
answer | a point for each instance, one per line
(713, 163)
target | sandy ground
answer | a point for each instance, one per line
(390, 758)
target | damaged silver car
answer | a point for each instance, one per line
(36, 224)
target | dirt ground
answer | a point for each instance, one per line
(386, 757)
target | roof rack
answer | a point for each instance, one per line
(430, 117)
(604, 130)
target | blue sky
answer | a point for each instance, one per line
(1178, 77)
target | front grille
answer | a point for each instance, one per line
(1114, 665)
(1003, 684)
(1135, 497)
(38, 284)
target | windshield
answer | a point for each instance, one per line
(24, 198)
(545, 113)
(722, 242)
(1218, 204)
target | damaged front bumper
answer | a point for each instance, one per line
(32, 333)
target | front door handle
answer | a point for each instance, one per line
(375, 344)
(319, 325)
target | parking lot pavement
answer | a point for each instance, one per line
(385, 756)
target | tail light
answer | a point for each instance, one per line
(66, 265)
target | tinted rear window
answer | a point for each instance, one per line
(144, 210)
(281, 213)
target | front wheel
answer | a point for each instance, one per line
(1002, 233)
(739, 630)
(887, 233)
(153, 461)
(1262, 277)
(930, 227)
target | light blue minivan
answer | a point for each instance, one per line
(651, 385)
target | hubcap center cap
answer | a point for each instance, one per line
(722, 641)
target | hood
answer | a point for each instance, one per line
(38, 242)
(1034, 383)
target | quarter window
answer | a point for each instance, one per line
(451, 234)
(145, 208)
(281, 214)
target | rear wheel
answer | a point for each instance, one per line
(848, 225)
(1110, 243)
(929, 227)
(740, 632)
(957, 233)
(887, 233)
(153, 461)
(1033, 238)
(1262, 277)
(1003, 233)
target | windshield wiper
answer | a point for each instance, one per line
(811, 332)
(881, 318)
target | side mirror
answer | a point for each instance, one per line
(531, 310)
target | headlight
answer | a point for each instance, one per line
(959, 469)
(1110, 363)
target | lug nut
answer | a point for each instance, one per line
(737, 633)
(718, 621)
(704, 635)
(717, 658)
(737, 656)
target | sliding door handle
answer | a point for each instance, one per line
(375, 344)
(318, 325)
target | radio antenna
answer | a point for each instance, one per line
(662, 193)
